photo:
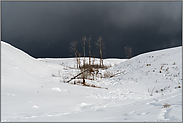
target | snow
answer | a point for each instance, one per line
(34, 89)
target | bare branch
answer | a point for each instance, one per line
(128, 51)
(89, 39)
(84, 42)
(74, 50)
(100, 44)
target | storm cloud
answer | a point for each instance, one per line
(45, 29)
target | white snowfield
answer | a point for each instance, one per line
(147, 87)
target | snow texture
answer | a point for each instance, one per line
(147, 87)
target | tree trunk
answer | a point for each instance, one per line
(77, 75)
(76, 59)
(89, 53)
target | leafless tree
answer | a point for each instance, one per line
(79, 61)
(74, 50)
(100, 44)
(128, 51)
(89, 39)
(84, 42)
(93, 61)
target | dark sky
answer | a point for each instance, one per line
(46, 29)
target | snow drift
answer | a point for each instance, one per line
(147, 87)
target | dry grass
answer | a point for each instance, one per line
(151, 91)
(53, 75)
(83, 83)
(148, 64)
(167, 69)
(177, 87)
(93, 71)
(166, 105)
(107, 74)
(95, 66)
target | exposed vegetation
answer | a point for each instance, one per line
(95, 66)
(83, 83)
(166, 105)
(151, 91)
(84, 43)
(89, 49)
(75, 51)
(128, 51)
(100, 44)
(92, 68)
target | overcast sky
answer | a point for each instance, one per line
(46, 29)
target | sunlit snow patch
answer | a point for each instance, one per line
(56, 89)
(83, 104)
(35, 106)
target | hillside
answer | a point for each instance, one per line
(147, 87)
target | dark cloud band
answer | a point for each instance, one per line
(45, 29)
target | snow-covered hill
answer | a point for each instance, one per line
(147, 87)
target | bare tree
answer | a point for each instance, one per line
(79, 61)
(100, 44)
(74, 50)
(84, 42)
(93, 61)
(128, 51)
(89, 39)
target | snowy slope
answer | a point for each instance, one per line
(29, 92)
(18, 66)
(159, 66)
